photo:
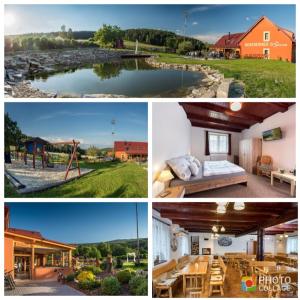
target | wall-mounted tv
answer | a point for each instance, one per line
(272, 134)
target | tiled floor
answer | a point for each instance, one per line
(41, 288)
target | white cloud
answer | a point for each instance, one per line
(195, 23)
(208, 38)
(247, 18)
(68, 114)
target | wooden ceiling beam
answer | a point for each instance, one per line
(226, 111)
(211, 125)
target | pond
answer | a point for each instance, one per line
(129, 77)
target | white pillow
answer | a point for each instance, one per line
(180, 167)
(194, 168)
(197, 161)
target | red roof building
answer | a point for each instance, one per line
(125, 150)
(264, 39)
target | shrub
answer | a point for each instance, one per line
(142, 289)
(119, 264)
(185, 47)
(95, 270)
(137, 285)
(70, 277)
(89, 285)
(111, 286)
(124, 276)
(85, 276)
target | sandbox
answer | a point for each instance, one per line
(26, 179)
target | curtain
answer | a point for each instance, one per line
(184, 245)
(206, 143)
(229, 144)
(161, 240)
(292, 244)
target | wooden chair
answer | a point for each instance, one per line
(216, 283)
(264, 165)
(195, 295)
(9, 280)
(193, 283)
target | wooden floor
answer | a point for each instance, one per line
(232, 288)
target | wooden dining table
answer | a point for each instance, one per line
(197, 268)
(279, 269)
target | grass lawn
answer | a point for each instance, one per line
(109, 180)
(131, 265)
(263, 78)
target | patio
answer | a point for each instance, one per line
(41, 288)
(27, 179)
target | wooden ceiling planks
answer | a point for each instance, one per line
(218, 115)
(201, 216)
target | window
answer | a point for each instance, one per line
(266, 36)
(161, 240)
(266, 52)
(184, 245)
(292, 244)
(218, 142)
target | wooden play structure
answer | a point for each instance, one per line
(37, 147)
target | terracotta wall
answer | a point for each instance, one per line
(118, 154)
(49, 273)
(8, 254)
(280, 45)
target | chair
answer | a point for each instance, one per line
(264, 165)
(9, 280)
(195, 295)
(193, 284)
(216, 283)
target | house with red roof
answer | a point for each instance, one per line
(126, 151)
(29, 255)
(264, 39)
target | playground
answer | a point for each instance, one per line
(36, 169)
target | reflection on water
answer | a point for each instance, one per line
(130, 77)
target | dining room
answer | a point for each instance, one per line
(225, 249)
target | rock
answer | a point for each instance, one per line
(223, 89)
(7, 88)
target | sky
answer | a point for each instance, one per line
(80, 222)
(206, 22)
(89, 123)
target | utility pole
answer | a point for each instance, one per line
(137, 233)
(185, 16)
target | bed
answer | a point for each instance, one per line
(212, 175)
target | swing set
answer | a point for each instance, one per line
(37, 148)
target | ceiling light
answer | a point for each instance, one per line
(281, 236)
(222, 229)
(235, 106)
(214, 228)
(239, 205)
(286, 235)
(221, 209)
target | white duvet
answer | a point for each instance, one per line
(220, 167)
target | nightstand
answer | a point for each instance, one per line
(175, 192)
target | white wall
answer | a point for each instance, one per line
(283, 152)
(171, 136)
(238, 244)
(198, 143)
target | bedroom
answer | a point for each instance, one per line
(224, 149)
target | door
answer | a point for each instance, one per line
(266, 53)
(22, 267)
(251, 247)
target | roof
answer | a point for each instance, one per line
(229, 40)
(131, 147)
(34, 235)
(37, 140)
(233, 40)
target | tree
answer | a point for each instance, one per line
(119, 249)
(108, 35)
(185, 47)
(12, 136)
(92, 151)
(94, 253)
(171, 42)
(70, 34)
(104, 249)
